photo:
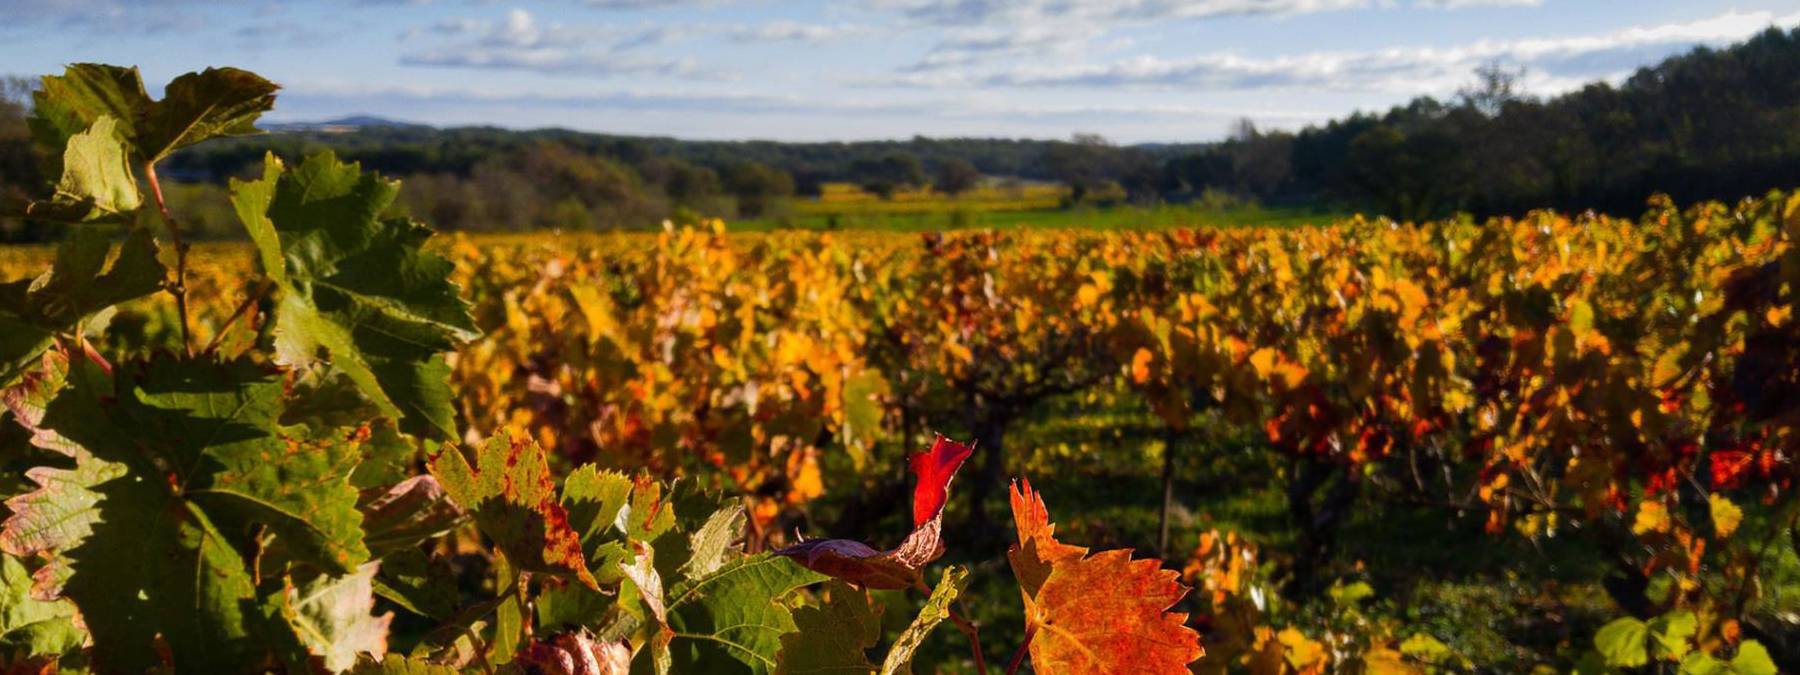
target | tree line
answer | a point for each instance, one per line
(1709, 124)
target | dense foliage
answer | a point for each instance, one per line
(649, 419)
(269, 499)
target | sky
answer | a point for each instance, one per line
(1131, 70)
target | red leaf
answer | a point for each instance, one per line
(934, 468)
(1103, 613)
(861, 564)
(1729, 468)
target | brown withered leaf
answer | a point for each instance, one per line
(864, 565)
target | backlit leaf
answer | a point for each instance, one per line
(332, 616)
(1100, 613)
(29, 625)
(359, 287)
(733, 620)
(514, 502)
(936, 610)
(1624, 643)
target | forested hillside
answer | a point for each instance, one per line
(1710, 124)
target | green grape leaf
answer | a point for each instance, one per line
(1752, 659)
(212, 103)
(936, 609)
(60, 513)
(600, 504)
(418, 583)
(28, 399)
(1702, 663)
(594, 499)
(834, 637)
(357, 286)
(733, 620)
(96, 182)
(510, 493)
(1623, 642)
(1672, 634)
(389, 457)
(214, 425)
(158, 566)
(78, 285)
(565, 604)
(35, 627)
(65, 105)
(186, 588)
(332, 616)
(715, 543)
(195, 445)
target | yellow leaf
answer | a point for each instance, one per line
(1302, 652)
(1263, 361)
(1386, 661)
(1088, 296)
(1291, 374)
(1777, 316)
(1725, 515)
(1652, 516)
(803, 470)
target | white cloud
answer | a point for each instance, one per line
(522, 42)
(982, 30)
(112, 16)
(643, 4)
(1463, 4)
(970, 12)
(1554, 63)
(794, 31)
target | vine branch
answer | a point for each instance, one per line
(179, 288)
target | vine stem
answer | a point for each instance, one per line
(1018, 658)
(962, 624)
(179, 290)
(968, 628)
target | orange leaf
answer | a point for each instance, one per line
(1140, 365)
(1103, 613)
(1038, 548)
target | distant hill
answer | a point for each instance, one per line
(1709, 124)
(401, 148)
(341, 125)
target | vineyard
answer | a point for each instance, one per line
(350, 445)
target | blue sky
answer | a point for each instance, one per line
(1132, 70)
